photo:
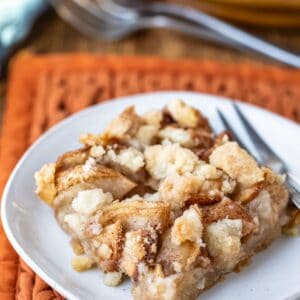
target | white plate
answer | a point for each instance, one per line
(33, 232)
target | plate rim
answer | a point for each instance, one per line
(4, 199)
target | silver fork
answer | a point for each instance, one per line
(266, 156)
(133, 9)
(96, 22)
(124, 17)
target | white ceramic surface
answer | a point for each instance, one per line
(32, 230)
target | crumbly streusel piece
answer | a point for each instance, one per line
(164, 160)
(45, 181)
(185, 115)
(237, 163)
(188, 227)
(153, 117)
(125, 125)
(224, 241)
(130, 158)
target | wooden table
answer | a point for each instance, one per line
(51, 34)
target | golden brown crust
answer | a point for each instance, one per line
(112, 237)
(138, 214)
(228, 209)
(220, 139)
(100, 176)
(237, 163)
(71, 159)
(246, 195)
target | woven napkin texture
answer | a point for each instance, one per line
(43, 90)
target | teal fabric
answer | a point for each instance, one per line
(16, 20)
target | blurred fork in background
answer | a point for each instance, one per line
(114, 19)
(115, 24)
(117, 19)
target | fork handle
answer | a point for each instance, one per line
(227, 31)
(192, 29)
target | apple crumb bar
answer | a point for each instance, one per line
(159, 198)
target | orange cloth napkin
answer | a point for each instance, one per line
(43, 90)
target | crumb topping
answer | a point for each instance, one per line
(207, 171)
(76, 222)
(188, 227)
(82, 263)
(89, 201)
(224, 240)
(97, 152)
(185, 115)
(236, 162)
(164, 160)
(130, 157)
(153, 117)
(155, 197)
(146, 134)
(125, 125)
(176, 189)
(177, 135)
(112, 278)
(104, 251)
(161, 199)
(45, 181)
